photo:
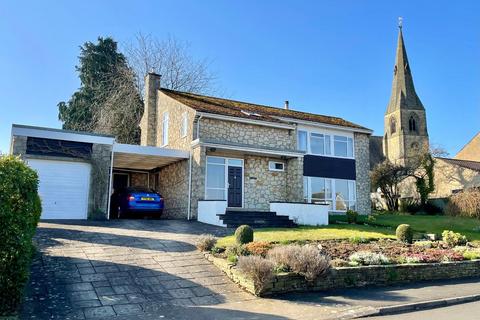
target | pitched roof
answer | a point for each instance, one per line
(470, 151)
(403, 95)
(472, 165)
(248, 110)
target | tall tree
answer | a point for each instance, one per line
(108, 100)
(387, 176)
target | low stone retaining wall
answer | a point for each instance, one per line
(353, 277)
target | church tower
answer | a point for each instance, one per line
(405, 134)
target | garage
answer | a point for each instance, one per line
(63, 188)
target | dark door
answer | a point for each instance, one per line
(120, 181)
(235, 176)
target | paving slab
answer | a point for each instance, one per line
(150, 269)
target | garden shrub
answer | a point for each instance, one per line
(244, 234)
(306, 260)
(258, 268)
(235, 251)
(339, 263)
(465, 204)
(352, 216)
(218, 249)
(20, 210)
(453, 239)
(206, 242)
(409, 205)
(427, 244)
(258, 248)
(358, 239)
(471, 254)
(367, 258)
(404, 233)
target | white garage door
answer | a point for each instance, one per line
(63, 188)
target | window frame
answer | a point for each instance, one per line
(332, 200)
(165, 127)
(232, 162)
(328, 138)
(184, 125)
(274, 164)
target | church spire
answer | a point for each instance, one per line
(403, 91)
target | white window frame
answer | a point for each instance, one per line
(306, 140)
(349, 143)
(330, 134)
(226, 165)
(352, 192)
(184, 125)
(165, 125)
(272, 165)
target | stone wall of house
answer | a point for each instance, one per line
(18, 145)
(242, 133)
(173, 186)
(294, 180)
(199, 162)
(261, 184)
(362, 167)
(99, 181)
(138, 179)
(176, 112)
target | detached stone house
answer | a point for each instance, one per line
(212, 159)
(250, 155)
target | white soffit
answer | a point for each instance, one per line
(128, 156)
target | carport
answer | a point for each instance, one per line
(135, 159)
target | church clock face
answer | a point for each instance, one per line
(414, 146)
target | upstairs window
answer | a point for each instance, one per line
(343, 146)
(412, 124)
(184, 125)
(165, 129)
(320, 144)
(302, 140)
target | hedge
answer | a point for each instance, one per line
(20, 210)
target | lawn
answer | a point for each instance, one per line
(384, 227)
(427, 224)
(302, 233)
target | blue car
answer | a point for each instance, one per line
(136, 202)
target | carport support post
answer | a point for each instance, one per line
(110, 183)
(189, 186)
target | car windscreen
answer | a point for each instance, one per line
(140, 189)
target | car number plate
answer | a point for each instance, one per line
(147, 199)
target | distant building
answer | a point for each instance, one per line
(406, 137)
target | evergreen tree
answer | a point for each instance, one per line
(107, 100)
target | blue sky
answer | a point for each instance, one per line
(329, 57)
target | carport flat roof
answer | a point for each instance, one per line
(129, 156)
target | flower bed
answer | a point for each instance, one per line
(264, 268)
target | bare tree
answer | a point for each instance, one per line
(437, 150)
(387, 176)
(170, 58)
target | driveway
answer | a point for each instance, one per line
(141, 269)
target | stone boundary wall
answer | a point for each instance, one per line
(352, 277)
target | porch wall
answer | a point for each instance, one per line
(261, 184)
(173, 186)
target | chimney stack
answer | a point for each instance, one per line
(286, 104)
(148, 124)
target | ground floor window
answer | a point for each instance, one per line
(339, 194)
(224, 180)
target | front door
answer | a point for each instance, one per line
(235, 177)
